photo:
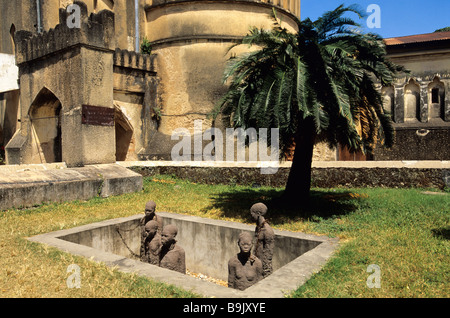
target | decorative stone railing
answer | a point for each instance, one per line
(129, 59)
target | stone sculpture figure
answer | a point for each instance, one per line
(265, 238)
(152, 243)
(172, 256)
(150, 208)
(244, 269)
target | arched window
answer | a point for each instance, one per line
(436, 99)
(412, 101)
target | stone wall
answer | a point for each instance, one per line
(75, 67)
(22, 15)
(135, 102)
(392, 174)
(416, 143)
(191, 40)
(419, 103)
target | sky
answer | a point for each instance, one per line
(397, 17)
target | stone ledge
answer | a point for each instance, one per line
(284, 6)
(128, 59)
(30, 185)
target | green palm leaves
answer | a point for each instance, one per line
(326, 72)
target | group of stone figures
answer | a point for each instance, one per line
(158, 244)
(159, 247)
(246, 268)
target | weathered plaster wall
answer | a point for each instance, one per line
(82, 59)
(80, 143)
(21, 14)
(135, 100)
(423, 130)
(191, 41)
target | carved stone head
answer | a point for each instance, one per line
(150, 208)
(151, 227)
(168, 234)
(245, 242)
(257, 210)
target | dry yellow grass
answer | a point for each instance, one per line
(31, 270)
(405, 232)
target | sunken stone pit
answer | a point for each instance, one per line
(208, 245)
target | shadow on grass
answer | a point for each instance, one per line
(443, 233)
(323, 204)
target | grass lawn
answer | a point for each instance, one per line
(405, 232)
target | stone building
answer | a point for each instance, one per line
(88, 96)
(84, 94)
(420, 102)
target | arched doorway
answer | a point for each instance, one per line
(124, 135)
(45, 118)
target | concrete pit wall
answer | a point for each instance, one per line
(208, 244)
(106, 238)
(223, 236)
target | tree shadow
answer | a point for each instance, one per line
(322, 203)
(442, 233)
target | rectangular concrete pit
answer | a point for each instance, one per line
(208, 244)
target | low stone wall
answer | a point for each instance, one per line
(392, 174)
(421, 141)
(30, 185)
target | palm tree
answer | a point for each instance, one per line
(318, 84)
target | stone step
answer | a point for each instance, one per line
(31, 185)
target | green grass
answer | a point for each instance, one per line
(404, 231)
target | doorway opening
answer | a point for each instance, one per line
(45, 118)
(124, 135)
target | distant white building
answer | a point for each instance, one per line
(9, 73)
(9, 99)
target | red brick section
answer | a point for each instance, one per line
(428, 37)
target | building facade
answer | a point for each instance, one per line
(73, 80)
(85, 94)
(420, 102)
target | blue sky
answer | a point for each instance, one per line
(398, 17)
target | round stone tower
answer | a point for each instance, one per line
(191, 39)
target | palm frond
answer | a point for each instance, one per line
(324, 74)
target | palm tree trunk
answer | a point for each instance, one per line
(299, 180)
